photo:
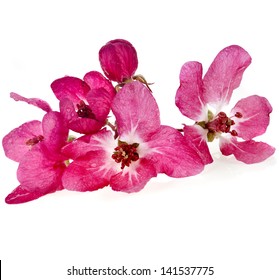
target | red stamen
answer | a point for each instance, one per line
(35, 140)
(84, 111)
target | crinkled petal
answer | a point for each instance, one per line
(72, 88)
(88, 173)
(135, 177)
(101, 140)
(40, 170)
(76, 123)
(15, 143)
(189, 94)
(255, 112)
(118, 59)
(55, 131)
(173, 155)
(248, 151)
(22, 195)
(32, 101)
(197, 135)
(135, 109)
(224, 75)
(96, 80)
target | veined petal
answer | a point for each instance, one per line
(134, 177)
(173, 155)
(248, 151)
(89, 172)
(197, 135)
(40, 170)
(189, 94)
(72, 88)
(55, 131)
(32, 101)
(15, 143)
(135, 109)
(22, 195)
(224, 75)
(255, 112)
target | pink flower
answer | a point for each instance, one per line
(85, 104)
(118, 60)
(144, 148)
(203, 99)
(37, 147)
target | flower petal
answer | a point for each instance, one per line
(197, 135)
(135, 109)
(247, 151)
(55, 131)
(134, 178)
(118, 59)
(32, 101)
(189, 94)
(22, 195)
(224, 75)
(255, 112)
(70, 87)
(88, 173)
(40, 170)
(15, 143)
(172, 155)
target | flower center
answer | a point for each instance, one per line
(35, 140)
(219, 124)
(84, 111)
(125, 153)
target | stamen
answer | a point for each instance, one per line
(84, 111)
(35, 140)
(238, 115)
(125, 153)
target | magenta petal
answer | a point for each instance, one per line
(255, 112)
(135, 109)
(87, 143)
(55, 131)
(247, 151)
(135, 178)
(118, 59)
(172, 155)
(197, 135)
(189, 94)
(15, 143)
(32, 101)
(224, 75)
(88, 172)
(40, 170)
(70, 87)
(22, 195)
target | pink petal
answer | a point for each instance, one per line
(134, 178)
(88, 172)
(172, 155)
(22, 195)
(255, 112)
(55, 131)
(32, 101)
(224, 75)
(135, 109)
(75, 123)
(197, 135)
(40, 170)
(96, 80)
(15, 143)
(189, 94)
(70, 87)
(247, 151)
(118, 60)
(88, 143)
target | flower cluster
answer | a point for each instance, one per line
(108, 132)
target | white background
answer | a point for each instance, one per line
(226, 217)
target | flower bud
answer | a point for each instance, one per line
(118, 60)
